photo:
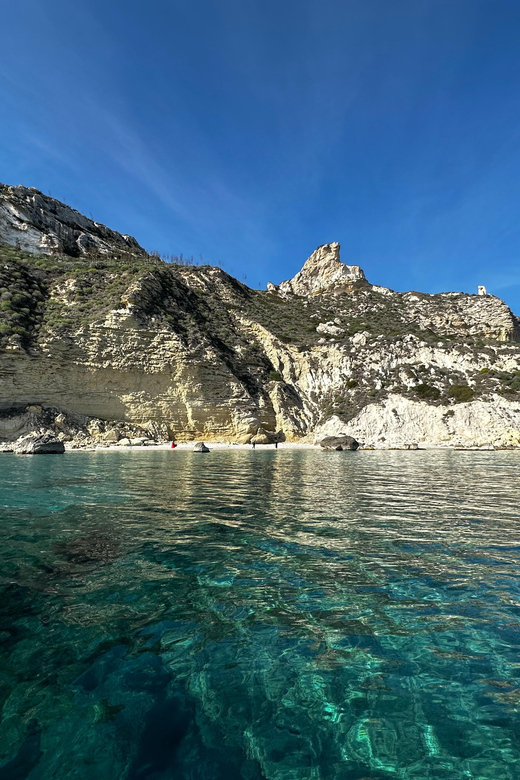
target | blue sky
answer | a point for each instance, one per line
(251, 132)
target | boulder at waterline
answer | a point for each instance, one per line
(200, 447)
(39, 445)
(267, 437)
(261, 437)
(339, 443)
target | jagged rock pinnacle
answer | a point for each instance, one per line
(323, 272)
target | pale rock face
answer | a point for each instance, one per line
(359, 339)
(323, 272)
(484, 315)
(397, 422)
(383, 290)
(330, 329)
(123, 369)
(37, 223)
(153, 376)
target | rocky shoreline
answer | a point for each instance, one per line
(104, 345)
(394, 424)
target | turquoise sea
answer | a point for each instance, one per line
(288, 615)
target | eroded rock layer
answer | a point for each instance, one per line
(128, 340)
(35, 222)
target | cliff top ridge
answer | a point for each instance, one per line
(34, 222)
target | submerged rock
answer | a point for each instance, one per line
(200, 447)
(39, 445)
(339, 443)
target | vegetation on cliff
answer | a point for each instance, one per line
(48, 298)
(95, 332)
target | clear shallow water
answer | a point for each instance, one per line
(280, 615)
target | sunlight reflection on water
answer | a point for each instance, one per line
(282, 615)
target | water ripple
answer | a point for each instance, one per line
(282, 615)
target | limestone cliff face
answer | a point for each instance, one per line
(398, 423)
(323, 272)
(35, 222)
(143, 347)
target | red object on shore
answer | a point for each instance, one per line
(173, 445)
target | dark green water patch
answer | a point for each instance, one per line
(288, 615)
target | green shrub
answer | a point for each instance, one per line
(275, 376)
(461, 393)
(428, 391)
(510, 382)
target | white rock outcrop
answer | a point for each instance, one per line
(330, 329)
(37, 223)
(398, 422)
(323, 272)
(134, 351)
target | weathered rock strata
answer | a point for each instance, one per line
(119, 347)
(399, 423)
(324, 272)
(19, 425)
(35, 222)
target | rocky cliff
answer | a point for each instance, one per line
(101, 342)
(323, 272)
(35, 222)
